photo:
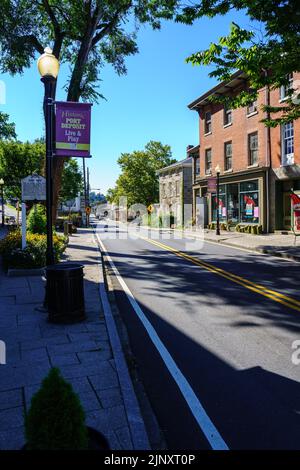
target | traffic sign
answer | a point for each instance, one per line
(88, 210)
(150, 209)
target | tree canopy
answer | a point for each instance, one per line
(18, 160)
(7, 129)
(85, 34)
(267, 53)
(71, 182)
(138, 180)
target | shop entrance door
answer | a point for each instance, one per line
(287, 219)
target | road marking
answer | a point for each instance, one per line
(258, 288)
(206, 425)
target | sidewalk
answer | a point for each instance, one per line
(274, 244)
(82, 351)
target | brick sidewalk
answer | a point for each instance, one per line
(82, 352)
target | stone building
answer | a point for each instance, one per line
(258, 166)
(175, 190)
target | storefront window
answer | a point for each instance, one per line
(249, 202)
(233, 203)
(219, 204)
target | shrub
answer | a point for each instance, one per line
(34, 255)
(56, 418)
(36, 221)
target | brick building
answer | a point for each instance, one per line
(175, 189)
(258, 165)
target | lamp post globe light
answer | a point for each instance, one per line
(2, 199)
(217, 170)
(48, 67)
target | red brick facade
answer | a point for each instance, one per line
(273, 174)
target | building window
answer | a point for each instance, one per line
(253, 148)
(287, 143)
(252, 108)
(228, 155)
(219, 205)
(207, 161)
(177, 187)
(207, 122)
(197, 166)
(227, 116)
(249, 202)
(170, 189)
(285, 89)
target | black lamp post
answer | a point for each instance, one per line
(48, 67)
(2, 199)
(218, 196)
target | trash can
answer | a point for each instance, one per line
(65, 293)
(67, 228)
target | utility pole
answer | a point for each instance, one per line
(84, 186)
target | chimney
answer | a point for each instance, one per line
(189, 147)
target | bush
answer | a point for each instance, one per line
(56, 418)
(34, 255)
(36, 221)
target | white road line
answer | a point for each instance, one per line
(206, 425)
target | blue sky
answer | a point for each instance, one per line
(149, 103)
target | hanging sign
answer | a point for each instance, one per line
(73, 129)
(211, 184)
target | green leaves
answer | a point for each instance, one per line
(266, 55)
(138, 180)
(71, 183)
(18, 160)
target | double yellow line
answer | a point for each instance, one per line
(258, 288)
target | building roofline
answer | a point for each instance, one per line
(186, 162)
(220, 88)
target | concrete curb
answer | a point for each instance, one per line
(136, 423)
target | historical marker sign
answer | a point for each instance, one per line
(33, 188)
(73, 129)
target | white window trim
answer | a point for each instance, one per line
(286, 157)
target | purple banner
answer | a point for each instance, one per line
(73, 129)
(211, 184)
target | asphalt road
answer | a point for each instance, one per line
(228, 319)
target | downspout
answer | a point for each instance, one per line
(268, 153)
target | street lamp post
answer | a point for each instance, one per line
(48, 67)
(217, 169)
(2, 199)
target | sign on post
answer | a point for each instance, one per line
(212, 184)
(33, 188)
(73, 129)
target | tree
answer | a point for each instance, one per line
(138, 180)
(7, 129)
(266, 55)
(18, 160)
(71, 182)
(86, 34)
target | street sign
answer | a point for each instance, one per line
(88, 210)
(73, 128)
(150, 209)
(33, 188)
(212, 184)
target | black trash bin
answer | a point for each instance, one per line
(65, 293)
